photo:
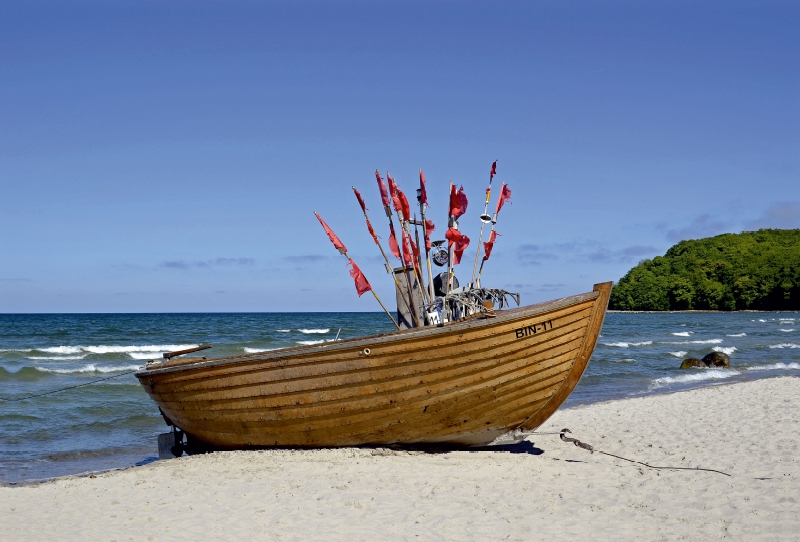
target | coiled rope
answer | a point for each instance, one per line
(67, 388)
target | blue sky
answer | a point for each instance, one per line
(168, 156)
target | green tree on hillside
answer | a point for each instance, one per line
(750, 270)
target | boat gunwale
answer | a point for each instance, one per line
(370, 340)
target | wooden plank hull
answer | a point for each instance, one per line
(467, 383)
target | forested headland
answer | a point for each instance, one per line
(751, 270)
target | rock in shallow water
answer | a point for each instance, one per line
(692, 362)
(717, 359)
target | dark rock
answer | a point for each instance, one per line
(717, 359)
(692, 362)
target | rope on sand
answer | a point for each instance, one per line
(579, 444)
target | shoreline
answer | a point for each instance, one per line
(542, 488)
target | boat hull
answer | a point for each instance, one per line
(467, 383)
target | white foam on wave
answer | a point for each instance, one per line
(307, 343)
(725, 349)
(249, 350)
(707, 341)
(283, 331)
(326, 330)
(679, 353)
(737, 335)
(58, 358)
(787, 330)
(114, 349)
(91, 368)
(695, 376)
(16, 349)
(682, 333)
(785, 345)
(775, 366)
(623, 344)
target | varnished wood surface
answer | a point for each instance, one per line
(467, 383)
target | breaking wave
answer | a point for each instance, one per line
(283, 331)
(682, 333)
(787, 330)
(695, 376)
(707, 341)
(679, 353)
(626, 344)
(249, 350)
(737, 335)
(326, 330)
(774, 366)
(91, 368)
(725, 349)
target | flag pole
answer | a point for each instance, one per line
(423, 207)
(485, 218)
(378, 299)
(500, 201)
(388, 210)
(385, 257)
(337, 243)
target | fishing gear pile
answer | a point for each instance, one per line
(422, 298)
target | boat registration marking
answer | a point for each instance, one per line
(525, 331)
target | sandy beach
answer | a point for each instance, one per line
(540, 489)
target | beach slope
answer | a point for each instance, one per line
(541, 489)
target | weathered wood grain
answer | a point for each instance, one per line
(466, 383)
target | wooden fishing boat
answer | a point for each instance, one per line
(467, 383)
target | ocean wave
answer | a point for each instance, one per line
(326, 330)
(678, 354)
(707, 341)
(787, 330)
(111, 349)
(623, 344)
(249, 350)
(283, 330)
(682, 333)
(785, 345)
(308, 343)
(694, 376)
(58, 358)
(725, 349)
(737, 335)
(91, 368)
(774, 366)
(16, 349)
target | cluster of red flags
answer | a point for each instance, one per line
(362, 284)
(391, 195)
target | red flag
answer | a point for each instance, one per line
(460, 241)
(383, 189)
(332, 236)
(415, 251)
(487, 246)
(362, 284)
(398, 206)
(404, 205)
(360, 200)
(505, 194)
(458, 201)
(364, 208)
(423, 193)
(429, 227)
(408, 254)
(393, 242)
(493, 172)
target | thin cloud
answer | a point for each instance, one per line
(591, 251)
(305, 258)
(782, 215)
(702, 226)
(206, 264)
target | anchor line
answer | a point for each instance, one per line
(67, 388)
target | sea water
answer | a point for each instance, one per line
(113, 423)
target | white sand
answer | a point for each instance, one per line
(749, 430)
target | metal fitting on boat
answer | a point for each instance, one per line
(364, 352)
